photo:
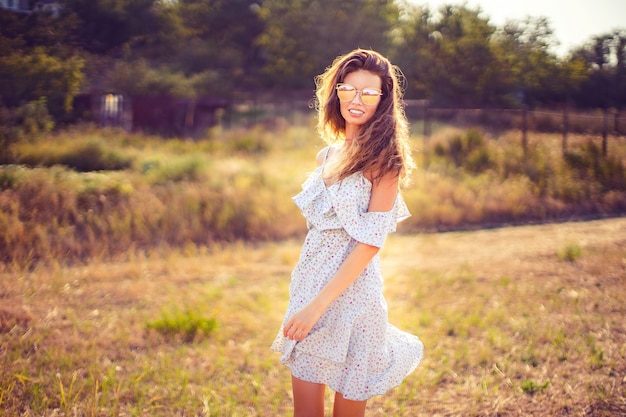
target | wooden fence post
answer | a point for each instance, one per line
(524, 129)
(565, 127)
(426, 131)
(605, 128)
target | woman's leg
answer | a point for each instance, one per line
(348, 408)
(308, 398)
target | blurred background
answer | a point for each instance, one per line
(176, 67)
(133, 124)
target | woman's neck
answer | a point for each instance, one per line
(351, 132)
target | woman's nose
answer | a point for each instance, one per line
(357, 96)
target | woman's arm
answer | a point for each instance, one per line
(300, 324)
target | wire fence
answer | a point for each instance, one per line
(193, 117)
(565, 121)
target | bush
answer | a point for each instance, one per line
(589, 163)
(29, 76)
(90, 154)
(468, 150)
(23, 123)
(94, 156)
(185, 168)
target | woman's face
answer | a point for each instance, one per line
(355, 112)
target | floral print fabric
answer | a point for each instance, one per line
(352, 348)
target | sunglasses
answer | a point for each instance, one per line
(369, 96)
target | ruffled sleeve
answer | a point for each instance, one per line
(350, 200)
(344, 205)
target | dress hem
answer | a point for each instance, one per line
(334, 388)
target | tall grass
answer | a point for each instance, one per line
(105, 194)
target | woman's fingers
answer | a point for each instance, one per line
(288, 328)
(299, 325)
(294, 332)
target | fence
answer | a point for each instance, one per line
(564, 121)
(264, 108)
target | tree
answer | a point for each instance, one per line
(201, 47)
(220, 35)
(26, 77)
(302, 38)
(447, 58)
(524, 50)
(604, 59)
(39, 59)
(104, 26)
(414, 48)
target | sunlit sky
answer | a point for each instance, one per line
(574, 21)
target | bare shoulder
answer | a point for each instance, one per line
(384, 192)
(321, 155)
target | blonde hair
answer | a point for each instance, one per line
(382, 143)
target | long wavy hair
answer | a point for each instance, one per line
(382, 143)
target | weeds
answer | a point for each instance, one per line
(67, 397)
(530, 387)
(570, 253)
(186, 324)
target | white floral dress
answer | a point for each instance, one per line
(352, 348)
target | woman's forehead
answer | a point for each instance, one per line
(362, 79)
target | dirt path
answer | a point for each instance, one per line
(498, 247)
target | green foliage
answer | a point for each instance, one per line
(530, 387)
(184, 168)
(142, 78)
(188, 325)
(588, 162)
(105, 25)
(10, 176)
(92, 154)
(570, 253)
(26, 31)
(251, 141)
(302, 38)
(23, 123)
(468, 150)
(26, 77)
(596, 357)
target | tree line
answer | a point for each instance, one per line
(453, 57)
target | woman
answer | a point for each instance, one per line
(335, 331)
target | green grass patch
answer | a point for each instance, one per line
(570, 252)
(530, 387)
(187, 325)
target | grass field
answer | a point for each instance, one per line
(96, 194)
(524, 321)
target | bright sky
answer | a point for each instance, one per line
(574, 22)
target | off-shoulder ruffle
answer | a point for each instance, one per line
(335, 207)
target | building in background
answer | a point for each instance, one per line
(27, 6)
(20, 6)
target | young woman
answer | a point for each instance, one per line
(335, 331)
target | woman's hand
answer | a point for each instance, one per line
(301, 323)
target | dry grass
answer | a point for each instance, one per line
(511, 328)
(94, 194)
